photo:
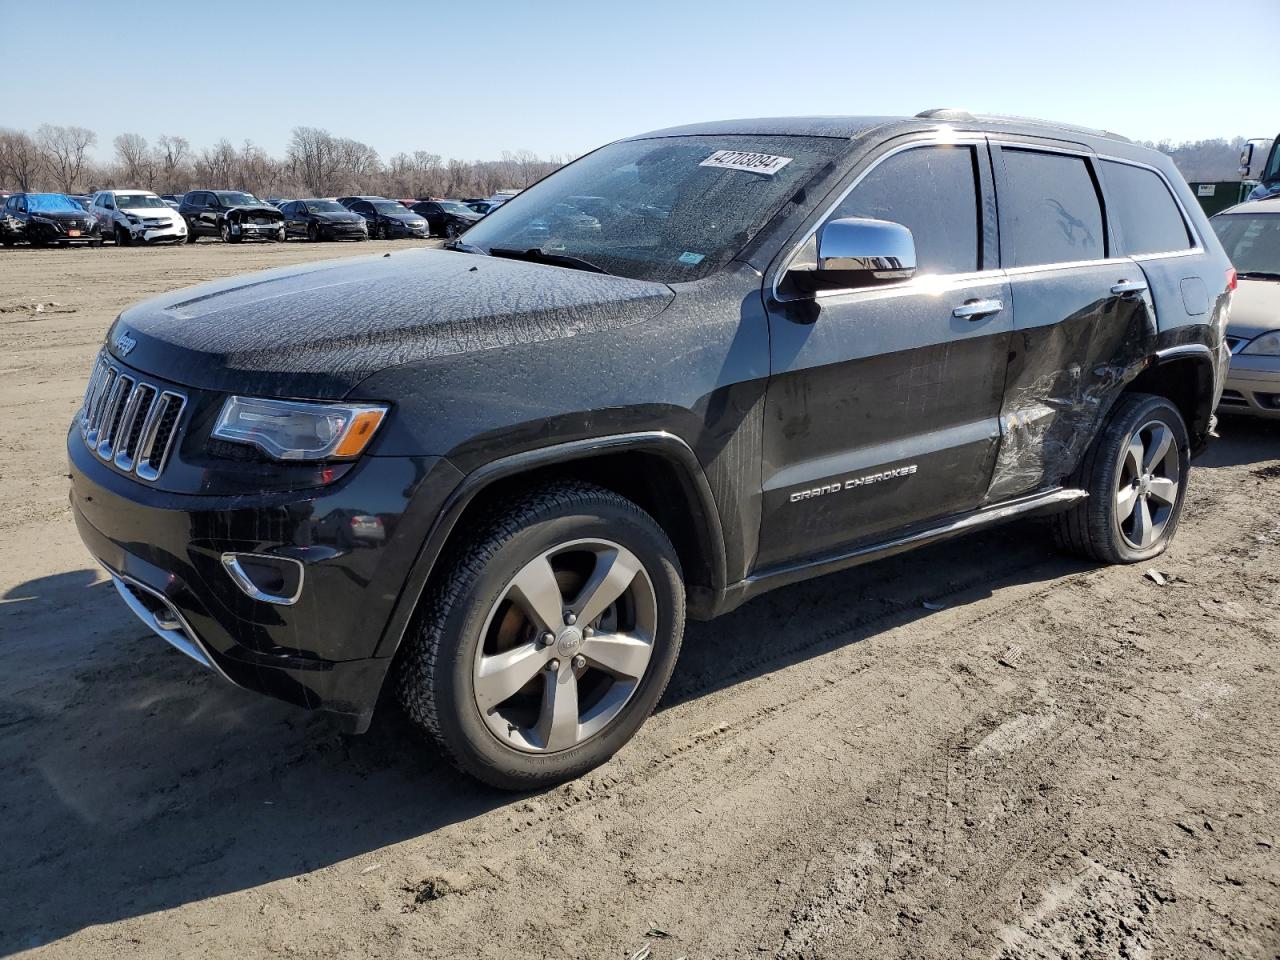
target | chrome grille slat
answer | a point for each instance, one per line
(111, 416)
(128, 422)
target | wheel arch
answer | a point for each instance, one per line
(1185, 376)
(656, 470)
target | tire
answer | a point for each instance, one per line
(1109, 526)
(313, 233)
(224, 231)
(280, 237)
(475, 613)
(380, 232)
(450, 231)
(122, 237)
(191, 234)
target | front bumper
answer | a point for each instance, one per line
(170, 232)
(269, 231)
(60, 233)
(343, 231)
(165, 552)
(1252, 387)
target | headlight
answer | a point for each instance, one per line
(295, 430)
(91, 221)
(132, 219)
(39, 219)
(1267, 345)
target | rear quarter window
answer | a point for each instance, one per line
(1050, 208)
(1143, 211)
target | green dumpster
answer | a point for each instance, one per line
(1216, 195)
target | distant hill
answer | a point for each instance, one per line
(1204, 159)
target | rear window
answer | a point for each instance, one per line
(1146, 216)
(1050, 208)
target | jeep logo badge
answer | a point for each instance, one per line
(123, 344)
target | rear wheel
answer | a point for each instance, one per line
(550, 639)
(1136, 476)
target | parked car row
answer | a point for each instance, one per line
(140, 216)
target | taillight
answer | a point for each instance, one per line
(1231, 279)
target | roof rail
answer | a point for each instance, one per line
(964, 115)
(944, 113)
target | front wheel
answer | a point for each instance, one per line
(1136, 476)
(550, 638)
(450, 231)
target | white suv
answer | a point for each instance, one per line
(137, 215)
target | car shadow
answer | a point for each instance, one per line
(149, 784)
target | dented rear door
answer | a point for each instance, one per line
(1083, 320)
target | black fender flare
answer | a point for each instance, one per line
(666, 445)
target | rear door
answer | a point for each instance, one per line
(882, 407)
(1082, 314)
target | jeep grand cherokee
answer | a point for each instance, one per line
(497, 477)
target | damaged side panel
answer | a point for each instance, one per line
(1075, 346)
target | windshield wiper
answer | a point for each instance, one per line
(1259, 275)
(535, 255)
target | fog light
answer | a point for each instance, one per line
(264, 577)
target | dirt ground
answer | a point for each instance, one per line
(980, 749)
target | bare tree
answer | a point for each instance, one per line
(63, 151)
(20, 162)
(172, 155)
(138, 165)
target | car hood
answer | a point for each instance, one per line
(1255, 308)
(60, 214)
(165, 211)
(257, 210)
(315, 331)
(335, 217)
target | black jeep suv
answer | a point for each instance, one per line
(230, 215)
(498, 477)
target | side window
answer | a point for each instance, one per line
(290, 209)
(362, 206)
(933, 192)
(1050, 208)
(22, 205)
(1143, 210)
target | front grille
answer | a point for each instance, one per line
(155, 222)
(128, 422)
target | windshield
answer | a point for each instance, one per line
(1272, 172)
(325, 206)
(126, 201)
(390, 208)
(231, 199)
(1251, 241)
(669, 209)
(452, 206)
(52, 203)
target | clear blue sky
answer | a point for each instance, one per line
(472, 79)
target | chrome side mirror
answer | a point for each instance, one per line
(1246, 160)
(860, 252)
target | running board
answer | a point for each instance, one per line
(1047, 501)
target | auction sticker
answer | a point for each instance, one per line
(751, 162)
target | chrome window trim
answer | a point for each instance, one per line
(992, 138)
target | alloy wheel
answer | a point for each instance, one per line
(1147, 490)
(565, 646)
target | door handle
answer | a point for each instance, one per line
(977, 309)
(1127, 288)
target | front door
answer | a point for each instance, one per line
(883, 405)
